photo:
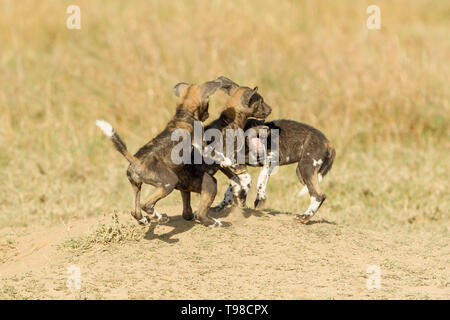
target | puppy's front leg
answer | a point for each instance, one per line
(240, 181)
(227, 199)
(271, 162)
(241, 189)
(263, 179)
(218, 157)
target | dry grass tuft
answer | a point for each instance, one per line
(112, 232)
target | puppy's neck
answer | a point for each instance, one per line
(233, 119)
(182, 114)
(182, 119)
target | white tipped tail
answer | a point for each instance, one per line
(105, 127)
(118, 143)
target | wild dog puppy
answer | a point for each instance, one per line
(298, 143)
(152, 164)
(243, 103)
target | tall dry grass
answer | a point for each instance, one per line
(382, 97)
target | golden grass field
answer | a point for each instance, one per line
(381, 96)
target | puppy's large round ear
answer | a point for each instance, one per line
(228, 86)
(248, 95)
(208, 88)
(179, 88)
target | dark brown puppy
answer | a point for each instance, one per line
(298, 143)
(152, 164)
(243, 103)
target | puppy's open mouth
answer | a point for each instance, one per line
(259, 117)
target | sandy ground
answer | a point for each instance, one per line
(263, 255)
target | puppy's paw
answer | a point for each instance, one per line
(239, 202)
(188, 216)
(144, 221)
(259, 203)
(219, 224)
(303, 218)
(226, 163)
(163, 218)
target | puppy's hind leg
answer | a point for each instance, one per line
(309, 174)
(208, 193)
(143, 220)
(187, 209)
(166, 184)
(149, 206)
(304, 189)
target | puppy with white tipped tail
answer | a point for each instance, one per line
(152, 164)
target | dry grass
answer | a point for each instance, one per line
(382, 97)
(106, 233)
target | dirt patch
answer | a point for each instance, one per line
(263, 255)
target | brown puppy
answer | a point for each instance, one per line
(152, 164)
(243, 103)
(297, 143)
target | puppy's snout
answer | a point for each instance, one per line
(262, 111)
(265, 110)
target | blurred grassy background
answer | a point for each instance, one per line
(381, 97)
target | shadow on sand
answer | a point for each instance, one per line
(311, 222)
(246, 212)
(179, 226)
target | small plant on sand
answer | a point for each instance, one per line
(105, 234)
